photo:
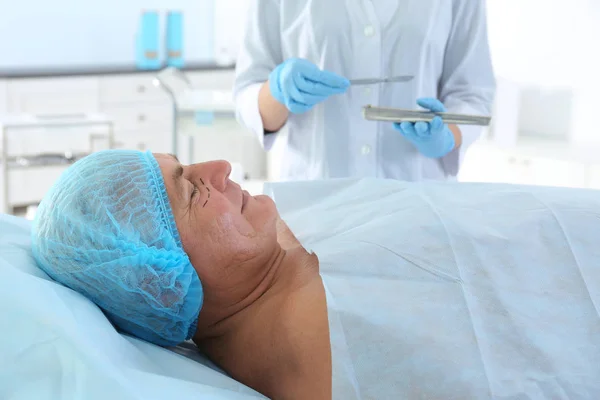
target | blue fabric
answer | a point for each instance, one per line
(106, 230)
(60, 343)
(300, 85)
(433, 139)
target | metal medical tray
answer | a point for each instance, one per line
(372, 113)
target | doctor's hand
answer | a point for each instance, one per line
(299, 85)
(433, 139)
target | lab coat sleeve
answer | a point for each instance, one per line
(259, 54)
(467, 84)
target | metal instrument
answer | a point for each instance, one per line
(372, 113)
(373, 81)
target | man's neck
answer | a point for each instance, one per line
(285, 272)
(226, 308)
(256, 345)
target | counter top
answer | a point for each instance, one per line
(25, 73)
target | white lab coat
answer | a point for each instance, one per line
(443, 43)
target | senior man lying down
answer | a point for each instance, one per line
(470, 299)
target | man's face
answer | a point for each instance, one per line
(219, 224)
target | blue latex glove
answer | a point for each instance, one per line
(299, 85)
(433, 139)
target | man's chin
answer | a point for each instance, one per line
(265, 200)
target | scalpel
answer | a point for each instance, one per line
(373, 81)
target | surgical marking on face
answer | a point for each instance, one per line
(208, 190)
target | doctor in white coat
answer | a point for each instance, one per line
(294, 68)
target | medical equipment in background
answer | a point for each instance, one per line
(211, 107)
(21, 123)
(207, 116)
(373, 81)
(174, 39)
(147, 43)
(372, 113)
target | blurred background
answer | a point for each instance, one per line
(78, 77)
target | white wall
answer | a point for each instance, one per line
(75, 33)
(585, 127)
(539, 41)
(549, 48)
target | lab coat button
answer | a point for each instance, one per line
(366, 149)
(369, 31)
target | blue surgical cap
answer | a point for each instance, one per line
(106, 230)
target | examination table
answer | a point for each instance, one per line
(497, 285)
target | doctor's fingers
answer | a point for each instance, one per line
(431, 104)
(333, 80)
(297, 107)
(407, 129)
(326, 78)
(422, 129)
(317, 88)
(436, 125)
(304, 98)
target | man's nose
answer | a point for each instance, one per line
(215, 172)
